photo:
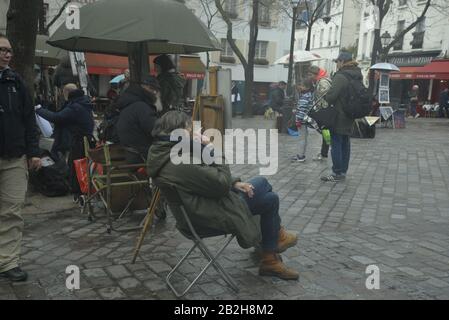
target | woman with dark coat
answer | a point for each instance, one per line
(72, 124)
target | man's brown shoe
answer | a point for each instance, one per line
(286, 240)
(272, 265)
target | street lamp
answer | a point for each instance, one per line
(295, 4)
(385, 39)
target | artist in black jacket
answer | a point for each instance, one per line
(18, 143)
(138, 114)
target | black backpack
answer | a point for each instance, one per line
(358, 102)
(51, 180)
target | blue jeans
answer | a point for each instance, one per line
(413, 108)
(266, 204)
(340, 152)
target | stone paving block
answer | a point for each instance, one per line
(410, 271)
(363, 260)
(112, 293)
(432, 246)
(392, 254)
(118, 271)
(155, 284)
(94, 273)
(128, 283)
(437, 283)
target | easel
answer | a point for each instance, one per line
(205, 107)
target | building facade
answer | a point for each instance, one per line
(273, 41)
(414, 52)
(336, 29)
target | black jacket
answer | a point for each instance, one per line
(137, 117)
(75, 120)
(444, 99)
(277, 97)
(18, 131)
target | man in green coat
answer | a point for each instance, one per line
(340, 134)
(215, 200)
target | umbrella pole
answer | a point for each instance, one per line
(138, 61)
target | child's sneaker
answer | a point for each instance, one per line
(297, 158)
(318, 157)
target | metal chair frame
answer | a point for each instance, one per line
(102, 185)
(175, 204)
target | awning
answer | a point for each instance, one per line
(102, 64)
(437, 69)
(192, 67)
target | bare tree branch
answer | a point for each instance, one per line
(56, 17)
(229, 37)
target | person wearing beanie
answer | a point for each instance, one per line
(348, 70)
(172, 84)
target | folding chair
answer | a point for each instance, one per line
(119, 177)
(176, 206)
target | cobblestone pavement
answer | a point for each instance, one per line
(392, 211)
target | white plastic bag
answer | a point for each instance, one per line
(44, 126)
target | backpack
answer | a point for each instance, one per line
(52, 179)
(358, 102)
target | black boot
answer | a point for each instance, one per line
(15, 274)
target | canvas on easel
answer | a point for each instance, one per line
(210, 111)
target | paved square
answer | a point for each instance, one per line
(392, 211)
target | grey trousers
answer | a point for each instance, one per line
(13, 187)
(303, 134)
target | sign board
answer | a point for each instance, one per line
(384, 87)
(79, 68)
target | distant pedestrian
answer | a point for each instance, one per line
(277, 96)
(414, 96)
(305, 103)
(444, 103)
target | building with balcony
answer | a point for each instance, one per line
(273, 42)
(336, 29)
(416, 52)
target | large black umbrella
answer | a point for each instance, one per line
(136, 28)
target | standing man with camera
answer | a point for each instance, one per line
(19, 151)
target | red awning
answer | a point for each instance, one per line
(438, 69)
(103, 64)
